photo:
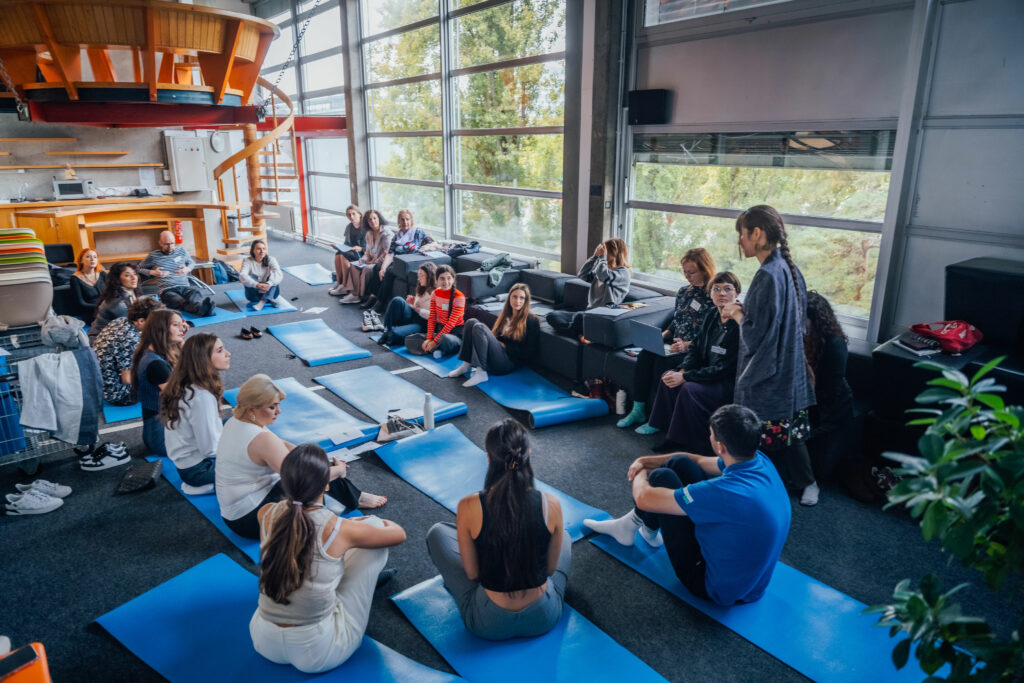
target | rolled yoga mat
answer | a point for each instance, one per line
(574, 650)
(237, 297)
(310, 273)
(544, 403)
(307, 417)
(220, 315)
(316, 343)
(800, 621)
(447, 466)
(194, 628)
(374, 391)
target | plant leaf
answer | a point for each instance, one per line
(935, 395)
(986, 368)
(978, 432)
(956, 376)
(901, 653)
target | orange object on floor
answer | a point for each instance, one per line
(36, 672)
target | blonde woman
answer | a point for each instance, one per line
(499, 350)
(249, 458)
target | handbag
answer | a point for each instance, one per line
(954, 336)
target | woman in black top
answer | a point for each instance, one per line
(512, 341)
(687, 396)
(87, 284)
(832, 418)
(122, 288)
(506, 560)
(355, 243)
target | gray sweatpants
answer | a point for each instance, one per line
(481, 616)
(481, 349)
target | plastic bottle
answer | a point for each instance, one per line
(428, 412)
(620, 402)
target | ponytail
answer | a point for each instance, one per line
(768, 219)
(507, 486)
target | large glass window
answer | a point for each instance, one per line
(323, 74)
(384, 15)
(514, 220)
(409, 106)
(323, 32)
(413, 53)
(328, 155)
(419, 158)
(426, 204)
(514, 30)
(524, 161)
(830, 186)
(665, 11)
(531, 95)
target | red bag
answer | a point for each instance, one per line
(954, 336)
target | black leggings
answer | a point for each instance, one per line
(679, 531)
(248, 526)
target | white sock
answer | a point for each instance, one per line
(479, 377)
(651, 536)
(623, 529)
(258, 305)
(461, 370)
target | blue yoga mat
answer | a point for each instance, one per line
(195, 629)
(112, 413)
(374, 391)
(310, 273)
(800, 621)
(317, 344)
(207, 505)
(440, 367)
(307, 417)
(574, 650)
(220, 315)
(544, 402)
(447, 466)
(237, 297)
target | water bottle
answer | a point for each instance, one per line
(428, 412)
(620, 402)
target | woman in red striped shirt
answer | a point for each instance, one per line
(444, 325)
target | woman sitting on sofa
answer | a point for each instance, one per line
(409, 315)
(608, 273)
(444, 324)
(87, 284)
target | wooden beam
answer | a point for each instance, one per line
(243, 76)
(137, 65)
(217, 67)
(166, 68)
(74, 153)
(66, 60)
(42, 166)
(149, 53)
(102, 66)
(38, 139)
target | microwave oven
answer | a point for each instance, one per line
(72, 189)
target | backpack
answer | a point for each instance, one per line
(222, 269)
(463, 249)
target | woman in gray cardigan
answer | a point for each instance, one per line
(771, 373)
(608, 273)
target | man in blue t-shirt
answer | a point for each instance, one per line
(723, 520)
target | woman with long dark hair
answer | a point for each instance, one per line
(351, 250)
(514, 339)
(445, 321)
(190, 411)
(318, 571)
(832, 417)
(771, 371)
(377, 238)
(409, 315)
(261, 277)
(608, 272)
(506, 560)
(121, 289)
(88, 283)
(158, 351)
(115, 348)
(250, 458)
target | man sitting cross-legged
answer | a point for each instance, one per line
(170, 265)
(723, 520)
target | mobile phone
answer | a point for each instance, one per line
(17, 660)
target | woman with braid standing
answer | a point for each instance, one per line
(771, 372)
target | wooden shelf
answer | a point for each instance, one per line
(5, 154)
(113, 153)
(38, 139)
(50, 166)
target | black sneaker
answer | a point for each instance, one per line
(104, 458)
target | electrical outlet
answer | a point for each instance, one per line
(167, 174)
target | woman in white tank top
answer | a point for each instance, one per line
(249, 457)
(318, 571)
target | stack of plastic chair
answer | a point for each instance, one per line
(26, 291)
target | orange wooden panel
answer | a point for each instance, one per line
(166, 68)
(18, 28)
(67, 62)
(243, 76)
(248, 43)
(21, 64)
(102, 66)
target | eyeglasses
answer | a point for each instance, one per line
(722, 289)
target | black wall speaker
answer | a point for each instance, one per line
(988, 293)
(649, 107)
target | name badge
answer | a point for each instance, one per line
(720, 350)
(695, 305)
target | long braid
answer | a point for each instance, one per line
(784, 250)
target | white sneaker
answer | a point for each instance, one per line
(350, 299)
(31, 502)
(368, 325)
(338, 290)
(461, 370)
(190, 490)
(104, 458)
(47, 487)
(810, 495)
(378, 324)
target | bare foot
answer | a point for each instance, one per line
(370, 500)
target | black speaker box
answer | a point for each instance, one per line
(650, 107)
(989, 294)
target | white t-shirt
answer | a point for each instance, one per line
(241, 484)
(197, 432)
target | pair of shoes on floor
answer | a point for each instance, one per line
(190, 490)
(369, 303)
(338, 290)
(103, 457)
(37, 498)
(372, 322)
(250, 333)
(350, 299)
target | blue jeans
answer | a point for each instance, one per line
(401, 320)
(252, 294)
(199, 474)
(153, 435)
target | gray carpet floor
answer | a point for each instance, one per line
(62, 570)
